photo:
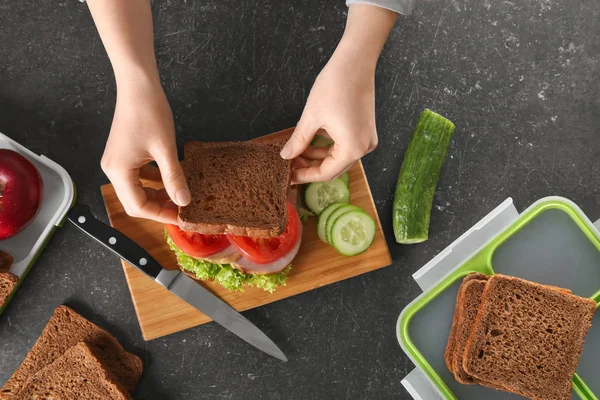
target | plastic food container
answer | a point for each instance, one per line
(59, 195)
(552, 242)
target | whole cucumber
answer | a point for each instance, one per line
(418, 177)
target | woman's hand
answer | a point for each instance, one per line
(341, 104)
(142, 128)
(143, 131)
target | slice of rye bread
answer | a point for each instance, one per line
(65, 329)
(237, 188)
(77, 374)
(468, 305)
(467, 308)
(528, 337)
(279, 139)
(450, 353)
(8, 282)
(451, 344)
(6, 261)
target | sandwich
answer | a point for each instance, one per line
(242, 226)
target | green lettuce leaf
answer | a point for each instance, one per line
(224, 274)
(301, 206)
(304, 213)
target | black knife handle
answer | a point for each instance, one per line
(81, 216)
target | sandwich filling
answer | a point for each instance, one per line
(224, 274)
(236, 262)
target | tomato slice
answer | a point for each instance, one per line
(195, 244)
(264, 251)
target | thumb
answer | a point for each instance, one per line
(173, 178)
(300, 140)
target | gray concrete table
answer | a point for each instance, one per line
(520, 79)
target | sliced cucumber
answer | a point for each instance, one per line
(346, 178)
(319, 195)
(327, 211)
(322, 141)
(334, 216)
(353, 232)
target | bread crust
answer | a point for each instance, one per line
(229, 229)
(471, 293)
(451, 345)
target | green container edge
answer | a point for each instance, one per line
(482, 259)
(60, 224)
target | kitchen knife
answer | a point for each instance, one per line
(175, 281)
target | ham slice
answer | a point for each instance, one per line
(226, 256)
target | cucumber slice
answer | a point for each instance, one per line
(319, 195)
(418, 177)
(353, 233)
(327, 211)
(334, 216)
(346, 178)
(322, 141)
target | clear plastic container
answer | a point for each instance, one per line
(553, 242)
(59, 195)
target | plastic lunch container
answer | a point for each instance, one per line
(552, 242)
(59, 196)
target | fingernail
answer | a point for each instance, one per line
(286, 152)
(183, 197)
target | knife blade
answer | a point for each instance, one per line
(175, 281)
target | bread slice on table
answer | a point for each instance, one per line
(77, 374)
(66, 329)
(528, 337)
(6, 261)
(8, 282)
(237, 188)
(451, 345)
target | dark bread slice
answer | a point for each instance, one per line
(77, 374)
(237, 188)
(6, 261)
(66, 329)
(468, 306)
(451, 345)
(279, 139)
(528, 337)
(8, 282)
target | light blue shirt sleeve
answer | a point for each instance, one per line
(400, 6)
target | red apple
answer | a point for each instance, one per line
(21, 192)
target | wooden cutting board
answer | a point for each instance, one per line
(161, 313)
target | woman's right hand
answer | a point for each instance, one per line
(143, 131)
